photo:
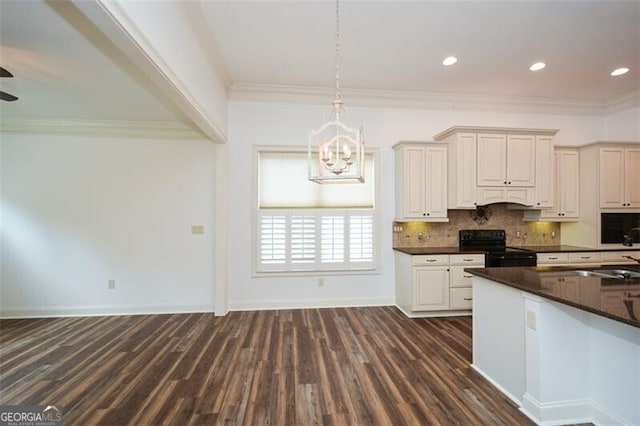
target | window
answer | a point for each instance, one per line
(303, 226)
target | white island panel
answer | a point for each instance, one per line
(498, 337)
(561, 364)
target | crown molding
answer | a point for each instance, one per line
(414, 100)
(486, 129)
(626, 101)
(103, 128)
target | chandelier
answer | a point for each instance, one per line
(336, 151)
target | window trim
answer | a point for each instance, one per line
(375, 268)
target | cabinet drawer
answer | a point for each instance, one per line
(584, 257)
(461, 298)
(440, 259)
(618, 256)
(460, 278)
(545, 258)
(467, 259)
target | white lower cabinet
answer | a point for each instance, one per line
(588, 259)
(461, 288)
(431, 286)
(435, 284)
(619, 257)
(553, 259)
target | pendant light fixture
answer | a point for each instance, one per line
(336, 151)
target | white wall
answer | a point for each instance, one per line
(263, 123)
(79, 211)
(623, 126)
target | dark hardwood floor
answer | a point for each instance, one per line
(291, 367)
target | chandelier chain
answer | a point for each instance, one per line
(338, 93)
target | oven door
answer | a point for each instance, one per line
(500, 260)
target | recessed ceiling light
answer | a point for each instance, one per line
(449, 60)
(619, 71)
(537, 66)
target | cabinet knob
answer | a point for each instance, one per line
(428, 214)
(509, 182)
(424, 214)
(505, 182)
(538, 203)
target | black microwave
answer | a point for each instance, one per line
(614, 226)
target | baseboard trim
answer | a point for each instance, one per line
(435, 314)
(557, 412)
(269, 305)
(88, 311)
(497, 386)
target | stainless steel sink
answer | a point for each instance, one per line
(620, 274)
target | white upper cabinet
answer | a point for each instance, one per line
(619, 177)
(462, 157)
(546, 173)
(421, 181)
(499, 165)
(566, 204)
(506, 160)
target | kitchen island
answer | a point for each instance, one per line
(563, 345)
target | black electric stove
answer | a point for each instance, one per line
(494, 243)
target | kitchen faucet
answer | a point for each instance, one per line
(627, 240)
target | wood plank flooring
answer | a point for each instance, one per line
(359, 366)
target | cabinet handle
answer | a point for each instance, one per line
(467, 298)
(467, 260)
(430, 260)
(552, 258)
(585, 257)
(467, 276)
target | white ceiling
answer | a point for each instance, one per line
(65, 69)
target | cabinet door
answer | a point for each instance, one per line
(492, 160)
(431, 286)
(463, 181)
(632, 177)
(611, 177)
(521, 160)
(461, 298)
(413, 182)
(569, 181)
(545, 172)
(555, 211)
(436, 182)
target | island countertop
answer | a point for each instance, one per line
(609, 297)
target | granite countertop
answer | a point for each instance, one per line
(537, 249)
(609, 297)
(436, 250)
(557, 249)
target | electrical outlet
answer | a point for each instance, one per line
(112, 284)
(531, 320)
(321, 282)
(197, 229)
